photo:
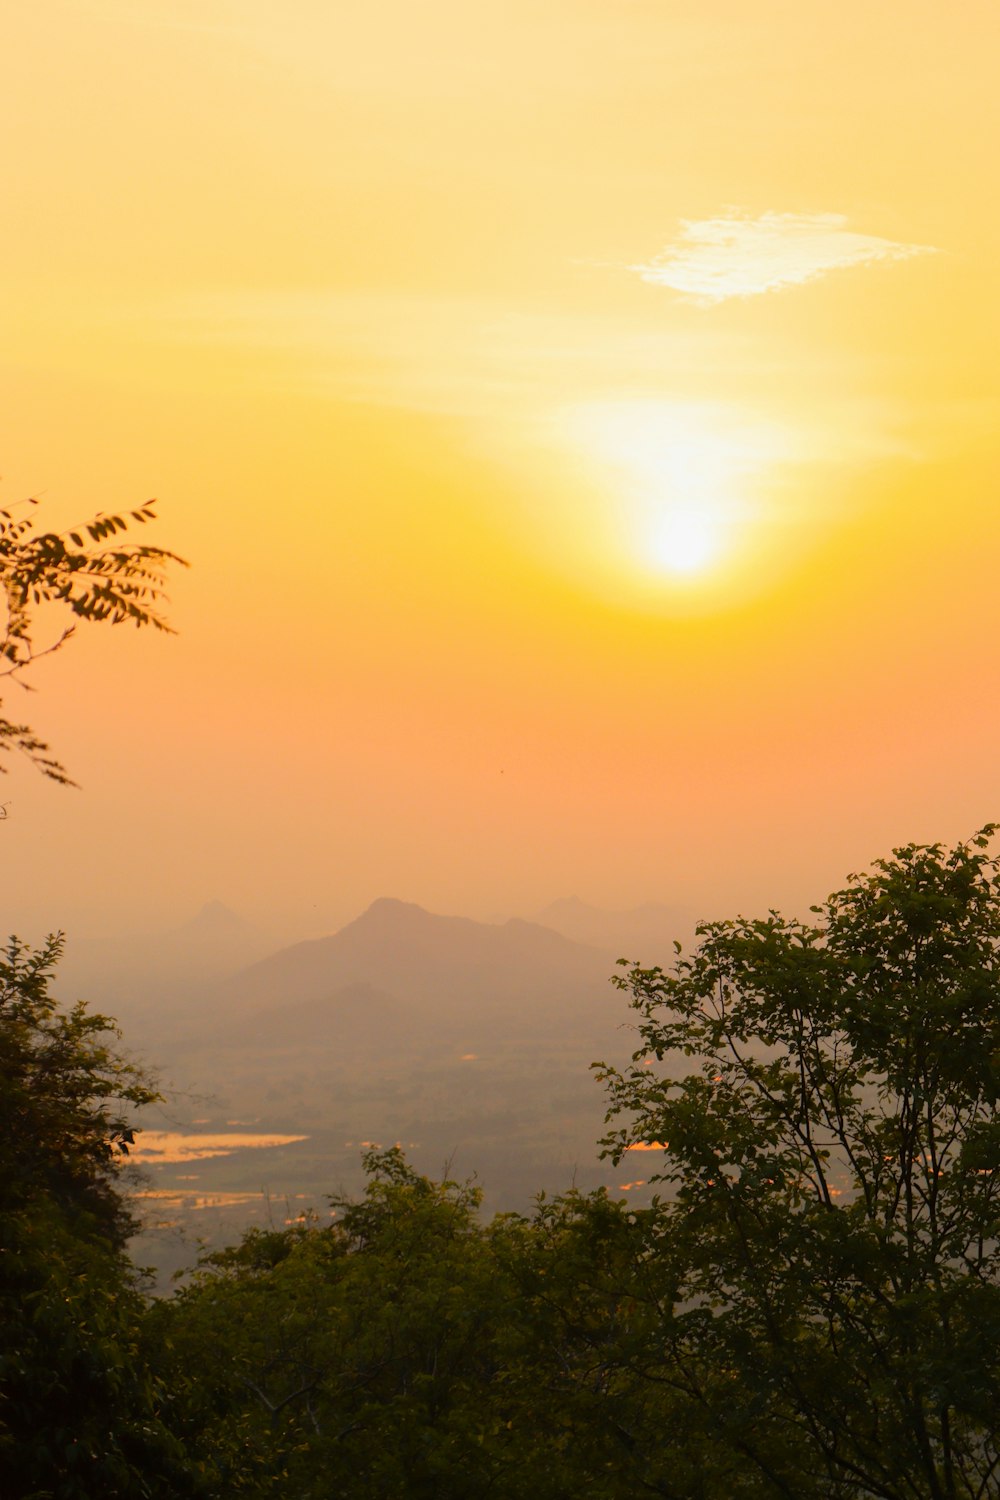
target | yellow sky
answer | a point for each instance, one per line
(581, 420)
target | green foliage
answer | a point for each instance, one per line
(410, 1350)
(355, 1354)
(80, 1413)
(580, 1359)
(71, 571)
(834, 1206)
(67, 1099)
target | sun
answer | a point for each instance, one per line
(686, 541)
(680, 481)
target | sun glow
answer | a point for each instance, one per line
(686, 541)
(684, 480)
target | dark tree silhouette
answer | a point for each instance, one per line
(118, 583)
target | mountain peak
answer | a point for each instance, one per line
(214, 917)
(392, 904)
(390, 911)
(217, 909)
(453, 971)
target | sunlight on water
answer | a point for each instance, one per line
(162, 1146)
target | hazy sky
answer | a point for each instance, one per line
(580, 415)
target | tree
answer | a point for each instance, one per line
(579, 1359)
(73, 571)
(409, 1349)
(832, 1225)
(80, 1411)
(352, 1358)
(67, 1100)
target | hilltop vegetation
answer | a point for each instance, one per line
(810, 1309)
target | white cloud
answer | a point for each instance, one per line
(735, 256)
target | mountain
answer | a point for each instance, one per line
(645, 933)
(353, 1011)
(467, 977)
(215, 926)
(444, 1034)
(136, 975)
(214, 942)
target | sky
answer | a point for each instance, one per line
(580, 419)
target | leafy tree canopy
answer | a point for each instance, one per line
(80, 1411)
(825, 1094)
(67, 1099)
(410, 1349)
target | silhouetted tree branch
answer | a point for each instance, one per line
(118, 584)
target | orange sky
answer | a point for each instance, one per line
(580, 417)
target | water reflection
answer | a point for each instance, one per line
(158, 1147)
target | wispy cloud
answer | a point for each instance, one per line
(712, 260)
(457, 356)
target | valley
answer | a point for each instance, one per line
(470, 1044)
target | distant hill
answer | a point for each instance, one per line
(136, 975)
(217, 929)
(470, 978)
(214, 942)
(645, 933)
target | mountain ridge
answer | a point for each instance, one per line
(445, 969)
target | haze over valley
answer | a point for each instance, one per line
(470, 1043)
